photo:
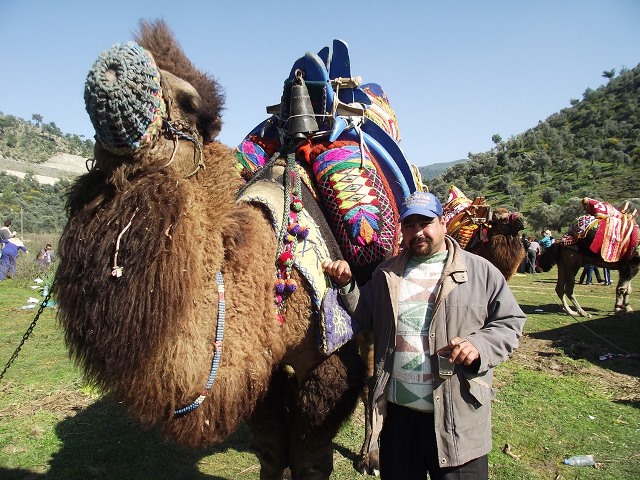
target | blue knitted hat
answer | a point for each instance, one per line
(123, 98)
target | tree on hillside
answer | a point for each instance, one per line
(549, 195)
(544, 216)
(609, 74)
(532, 179)
(37, 119)
(542, 161)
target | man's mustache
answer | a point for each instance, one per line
(418, 240)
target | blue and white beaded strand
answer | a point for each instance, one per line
(217, 350)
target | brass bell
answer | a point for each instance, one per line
(302, 120)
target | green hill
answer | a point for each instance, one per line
(35, 207)
(590, 149)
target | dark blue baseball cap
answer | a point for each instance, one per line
(421, 203)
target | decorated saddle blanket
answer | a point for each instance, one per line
(611, 233)
(465, 217)
(304, 252)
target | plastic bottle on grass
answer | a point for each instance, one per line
(580, 461)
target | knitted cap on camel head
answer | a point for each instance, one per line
(123, 98)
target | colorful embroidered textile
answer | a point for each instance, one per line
(463, 216)
(356, 203)
(336, 325)
(616, 232)
(380, 110)
(579, 230)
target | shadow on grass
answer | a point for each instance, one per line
(101, 442)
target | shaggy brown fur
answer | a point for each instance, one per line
(147, 336)
(571, 258)
(159, 40)
(504, 248)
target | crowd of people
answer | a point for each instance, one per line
(533, 248)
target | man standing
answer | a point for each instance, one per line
(532, 255)
(433, 298)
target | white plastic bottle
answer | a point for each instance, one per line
(580, 461)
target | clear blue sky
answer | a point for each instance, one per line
(456, 72)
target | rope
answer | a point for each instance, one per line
(116, 271)
(217, 350)
(177, 134)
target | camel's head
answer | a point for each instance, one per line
(507, 223)
(145, 115)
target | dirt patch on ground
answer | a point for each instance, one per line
(60, 404)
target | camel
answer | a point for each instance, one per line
(588, 243)
(165, 284)
(479, 229)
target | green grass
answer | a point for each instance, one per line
(555, 398)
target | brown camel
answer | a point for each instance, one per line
(166, 282)
(576, 249)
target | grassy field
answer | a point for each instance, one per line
(560, 395)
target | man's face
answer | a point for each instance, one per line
(423, 235)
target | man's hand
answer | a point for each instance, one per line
(339, 271)
(463, 352)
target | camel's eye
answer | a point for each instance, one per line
(189, 103)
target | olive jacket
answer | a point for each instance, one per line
(473, 301)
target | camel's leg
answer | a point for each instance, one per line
(579, 310)
(269, 428)
(325, 401)
(623, 293)
(564, 289)
(367, 462)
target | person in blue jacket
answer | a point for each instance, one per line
(12, 247)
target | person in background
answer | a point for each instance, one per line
(10, 253)
(442, 319)
(45, 257)
(532, 254)
(6, 233)
(606, 273)
(588, 272)
(546, 241)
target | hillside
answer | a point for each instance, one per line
(591, 148)
(430, 172)
(37, 163)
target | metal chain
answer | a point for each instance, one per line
(26, 334)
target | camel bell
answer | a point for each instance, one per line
(302, 119)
